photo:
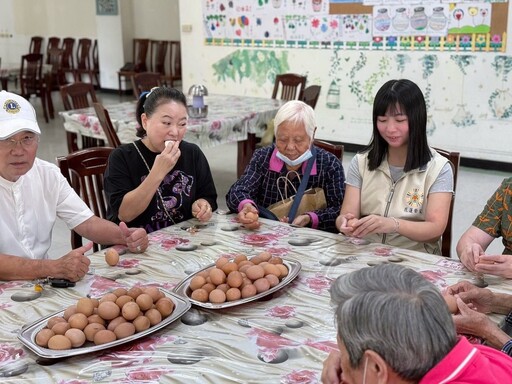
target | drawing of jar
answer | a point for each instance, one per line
(333, 96)
(277, 3)
(400, 21)
(419, 19)
(438, 19)
(317, 5)
(382, 21)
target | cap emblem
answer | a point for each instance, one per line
(11, 106)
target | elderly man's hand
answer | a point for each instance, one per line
(74, 265)
(136, 238)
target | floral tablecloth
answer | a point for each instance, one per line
(283, 339)
(230, 119)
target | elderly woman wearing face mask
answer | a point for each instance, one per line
(258, 188)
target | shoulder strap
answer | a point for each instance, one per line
(302, 187)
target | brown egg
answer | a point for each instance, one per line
(208, 287)
(256, 260)
(239, 258)
(253, 216)
(233, 294)
(91, 330)
(124, 330)
(95, 302)
(96, 319)
(122, 300)
(200, 295)
(245, 281)
(71, 310)
(144, 301)
(120, 292)
(229, 267)
(451, 301)
(141, 323)
(205, 273)
(262, 285)
(59, 342)
(256, 272)
(76, 336)
(154, 316)
(78, 321)
(276, 260)
(245, 262)
(154, 293)
(244, 268)
(43, 336)
(165, 306)
(109, 297)
(130, 311)
(223, 287)
(109, 310)
(249, 291)
(217, 296)
(111, 257)
(283, 269)
(54, 320)
(197, 282)
(235, 279)
(221, 261)
(271, 269)
(115, 322)
(104, 336)
(272, 279)
(265, 256)
(217, 276)
(61, 328)
(134, 292)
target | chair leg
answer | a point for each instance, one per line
(72, 139)
(42, 95)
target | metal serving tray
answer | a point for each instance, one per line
(28, 332)
(183, 288)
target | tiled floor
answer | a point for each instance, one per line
(473, 189)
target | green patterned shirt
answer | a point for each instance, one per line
(496, 218)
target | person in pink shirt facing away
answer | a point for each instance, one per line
(395, 327)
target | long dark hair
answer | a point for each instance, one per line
(408, 96)
(150, 101)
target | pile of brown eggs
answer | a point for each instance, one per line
(116, 315)
(237, 279)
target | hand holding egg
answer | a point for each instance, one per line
(248, 216)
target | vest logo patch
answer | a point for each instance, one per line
(414, 198)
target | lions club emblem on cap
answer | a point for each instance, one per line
(11, 106)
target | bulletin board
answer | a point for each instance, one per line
(370, 25)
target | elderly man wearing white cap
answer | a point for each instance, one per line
(33, 193)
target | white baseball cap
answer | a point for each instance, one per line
(16, 115)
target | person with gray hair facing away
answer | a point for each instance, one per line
(257, 189)
(395, 327)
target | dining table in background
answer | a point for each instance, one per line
(230, 119)
(282, 338)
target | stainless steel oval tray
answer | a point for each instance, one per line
(28, 332)
(183, 288)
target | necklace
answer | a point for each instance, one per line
(158, 189)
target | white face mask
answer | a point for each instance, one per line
(299, 160)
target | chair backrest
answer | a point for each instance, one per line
(83, 54)
(77, 95)
(140, 54)
(446, 240)
(336, 149)
(53, 43)
(31, 79)
(311, 95)
(95, 56)
(84, 171)
(68, 44)
(144, 81)
(54, 58)
(106, 124)
(36, 43)
(291, 84)
(175, 61)
(159, 55)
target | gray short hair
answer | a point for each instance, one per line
(296, 111)
(395, 312)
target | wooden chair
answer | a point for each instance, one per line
(83, 60)
(53, 43)
(291, 85)
(32, 81)
(84, 172)
(75, 96)
(446, 239)
(159, 56)
(68, 63)
(36, 43)
(311, 95)
(144, 81)
(106, 124)
(140, 53)
(336, 149)
(175, 73)
(96, 63)
(57, 77)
